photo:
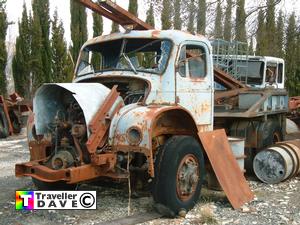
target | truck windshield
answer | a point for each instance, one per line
(136, 55)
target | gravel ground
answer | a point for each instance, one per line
(273, 204)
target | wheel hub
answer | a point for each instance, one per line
(187, 177)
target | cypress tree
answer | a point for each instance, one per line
(280, 35)
(21, 60)
(228, 24)
(78, 27)
(218, 21)
(293, 80)
(201, 17)
(271, 28)
(115, 28)
(60, 56)
(36, 63)
(97, 25)
(3, 53)
(166, 15)
(240, 24)
(150, 16)
(261, 34)
(41, 11)
(191, 19)
(177, 15)
(133, 7)
(97, 31)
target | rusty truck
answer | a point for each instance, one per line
(139, 101)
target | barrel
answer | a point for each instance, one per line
(237, 147)
(278, 162)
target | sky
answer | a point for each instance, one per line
(14, 11)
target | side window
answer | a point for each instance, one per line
(280, 73)
(196, 61)
(192, 61)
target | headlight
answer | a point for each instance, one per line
(134, 135)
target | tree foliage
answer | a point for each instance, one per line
(21, 60)
(41, 16)
(271, 42)
(133, 7)
(62, 68)
(292, 69)
(218, 29)
(279, 35)
(240, 23)
(191, 16)
(227, 34)
(177, 15)
(36, 56)
(166, 15)
(97, 31)
(3, 53)
(78, 27)
(150, 16)
(261, 34)
(201, 17)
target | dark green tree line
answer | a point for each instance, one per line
(3, 53)
(62, 69)
(21, 60)
(78, 27)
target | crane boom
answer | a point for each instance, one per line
(116, 13)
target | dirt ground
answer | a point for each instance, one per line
(273, 204)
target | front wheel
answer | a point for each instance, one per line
(179, 173)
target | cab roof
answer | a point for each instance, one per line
(175, 35)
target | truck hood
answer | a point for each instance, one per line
(51, 98)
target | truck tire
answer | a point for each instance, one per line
(271, 133)
(179, 173)
(60, 185)
(4, 130)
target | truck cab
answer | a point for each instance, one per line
(254, 71)
(133, 112)
(158, 67)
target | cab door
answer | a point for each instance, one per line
(194, 82)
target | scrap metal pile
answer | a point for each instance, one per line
(13, 113)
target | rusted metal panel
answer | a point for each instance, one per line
(116, 13)
(70, 175)
(226, 80)
(5, 108)
(264, 102)
(99, 125)
(226, 168)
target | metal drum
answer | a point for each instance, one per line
(278, 163)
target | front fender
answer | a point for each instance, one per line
(139, 117)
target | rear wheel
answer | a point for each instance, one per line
(271, 133)
(4, 130)
(179, 173)
(60, 185)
